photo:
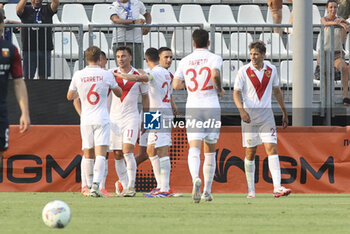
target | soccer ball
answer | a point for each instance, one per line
(56, 214)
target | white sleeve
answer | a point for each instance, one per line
(144, 88)
(143, 9)
(111, 81)
(73, 85)
(275, 81)
(239, 81)
(218, 63)
(179, 71)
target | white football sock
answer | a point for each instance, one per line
(103, 181)
(249, 167)
(165, 167)
(209, 167)
(275, 170)
(120, 168)
(131, 168)
(89, 170)
(156, 168)
(99, 169)
(82, 171)
(194, 162)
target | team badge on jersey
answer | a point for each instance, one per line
(152, 120)
(5, 52)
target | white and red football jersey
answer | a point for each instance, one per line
(256, 86)
(93, 84)
(126, 106)
(160, 90)
(195, 70)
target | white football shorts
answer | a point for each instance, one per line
(255, 134)
(120, 135)
(94, 135)
(159, 139)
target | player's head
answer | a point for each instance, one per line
(200, 38)
(103, 59)
(92, 54)
(165, 57)
(124, 56)
(257, 51)
(332, 7)
(152, 55)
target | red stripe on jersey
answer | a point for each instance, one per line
(16, 66)
(125, 87)
(259, 87)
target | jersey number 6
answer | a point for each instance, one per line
(93, 93)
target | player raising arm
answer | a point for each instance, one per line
(199, 72)
(255, 82)
(91, 85)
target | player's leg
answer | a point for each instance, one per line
(128, 152)
(4, 141)
(249, 167)
(89, 154)
(142, 155)
(104, 178)
(250, 140)
(194, 162)
(342, 66)
(84, 186)
(275, 7)
(153, 157)
(209, 167)
(164, 168)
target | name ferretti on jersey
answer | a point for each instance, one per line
(197, 62)
(91, 79)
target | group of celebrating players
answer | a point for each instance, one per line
(107, 101)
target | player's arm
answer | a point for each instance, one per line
(115, 18)
(117, 92)
(54, 5)
(178, 84)
(77, 105)
(130, 77)
(216, 78)
(174, 106)
(279, 97)
(22, 98)
(148, 19)
(20, 7)
(71, 95)
(145, 102)
(238, 102)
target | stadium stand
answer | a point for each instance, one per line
(163, 14)
(275, 48)
(154, 39)
(250, 14)
(188, 12)
(73, 14)
(100, 40)
(229, 71)
(66, 45)
(101, 14)
(221, 14)
(286, 73)
(239, 45)
(285, 15)
(60, 69)
(10, 12)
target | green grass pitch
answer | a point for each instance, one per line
(227, 213)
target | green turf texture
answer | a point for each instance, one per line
(227, 213)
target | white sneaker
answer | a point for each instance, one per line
(129, 192)
(119, 188)
(251, 194)
(95, 191)
(281, 191)
(196, 191)
(207, 197)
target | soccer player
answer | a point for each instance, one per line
(84, 187)
(256, 82)
(199, 72)
(165, 60)
(125, 122)
(159, 80)
(92, 85)
(11, 64)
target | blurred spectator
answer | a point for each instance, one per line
(37, 43)
(331, 19)
(275, 7)
(130, 12)
(344, 8)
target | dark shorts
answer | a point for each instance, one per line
(30, 63)
(4, 136)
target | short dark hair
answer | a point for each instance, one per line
(127, 48)
(103, 54)
(260, 45)
(330, 1)
(92, 54)
(152, 54)
(200, 38)
(162, 49)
